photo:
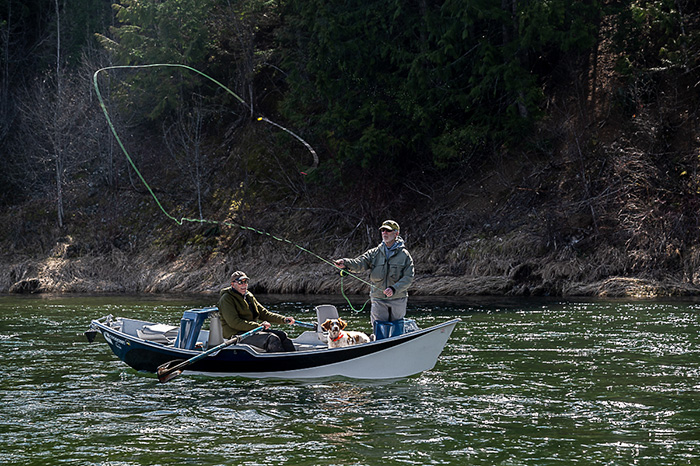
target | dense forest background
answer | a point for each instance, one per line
(526, 147)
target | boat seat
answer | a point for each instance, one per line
(256, 349)
(324, 312)
(158, 333)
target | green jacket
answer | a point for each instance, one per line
(240, 314)
(396, 272)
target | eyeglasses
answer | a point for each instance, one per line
(242, 281)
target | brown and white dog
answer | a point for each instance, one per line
(337, 338)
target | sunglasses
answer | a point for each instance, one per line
(242, 281)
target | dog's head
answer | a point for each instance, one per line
(334, 326)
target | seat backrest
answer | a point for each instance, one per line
(216, 333)
(324, 312)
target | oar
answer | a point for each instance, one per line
(172, 369)
(305, 324)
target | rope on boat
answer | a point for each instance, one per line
(199, 220)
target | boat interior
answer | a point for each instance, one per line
(191, 334)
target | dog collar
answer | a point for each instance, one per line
(340, 335)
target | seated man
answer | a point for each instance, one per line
(241, 312)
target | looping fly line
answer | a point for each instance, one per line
(195, 220)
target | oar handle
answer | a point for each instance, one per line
(305, 324)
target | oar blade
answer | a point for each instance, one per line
(168, 376)
(169, 371)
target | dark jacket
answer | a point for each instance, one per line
(240, 314)
(395, 272)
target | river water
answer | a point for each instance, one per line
(527, 382)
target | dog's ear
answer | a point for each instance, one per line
(342, 324)
(326, 325)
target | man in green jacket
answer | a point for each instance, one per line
(391, 273)
(241, 312)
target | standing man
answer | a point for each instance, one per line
(241, 312)
(391, 273)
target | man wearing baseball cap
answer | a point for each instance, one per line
(391, 273)
(241, 312)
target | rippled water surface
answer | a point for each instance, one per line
(520, 383)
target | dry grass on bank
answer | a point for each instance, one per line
(499, 269)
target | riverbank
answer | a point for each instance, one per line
(515, 229)
(192, 272)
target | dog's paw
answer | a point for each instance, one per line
(372, 337)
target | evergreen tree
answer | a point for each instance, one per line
(389, 83)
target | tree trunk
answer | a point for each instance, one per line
(58, 137)
(59, 190)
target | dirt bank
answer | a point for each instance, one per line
(192, 272)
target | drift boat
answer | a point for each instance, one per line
(146, 346)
